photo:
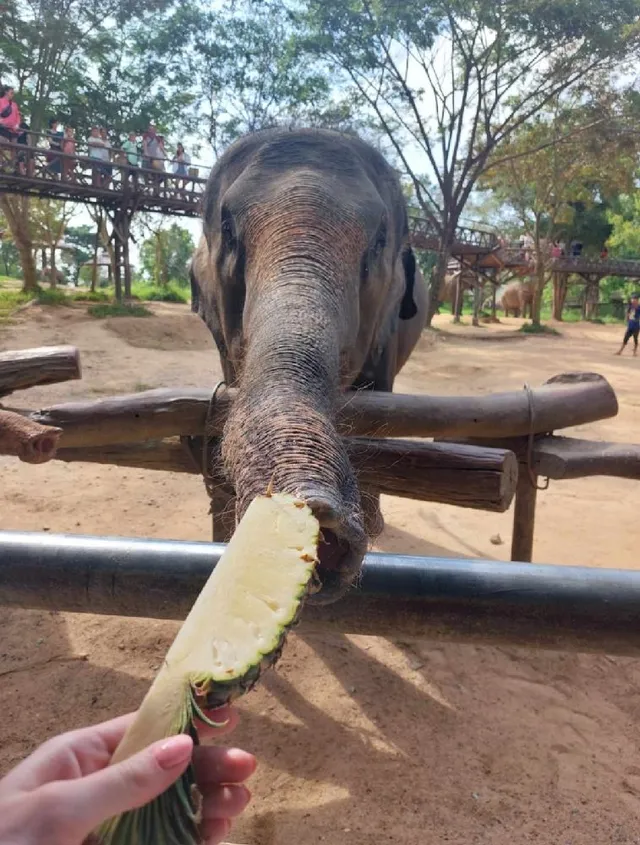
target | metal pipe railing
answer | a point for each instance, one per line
(477, 601)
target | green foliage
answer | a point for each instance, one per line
(250, 71)
(149, 292)
(115, 309)
(52, 296)
(166, 255)
(91, 62)
(624, 218)
(92, 296)
(9, 301)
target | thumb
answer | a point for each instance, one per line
(130, 783)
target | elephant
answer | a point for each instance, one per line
(516, 297)
(306, 278)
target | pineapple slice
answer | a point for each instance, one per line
(234, 631)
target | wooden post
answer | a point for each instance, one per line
(458, 297)
(494, 292)
(524, 517)
(124, 230)
(118, 267)
(477, 296)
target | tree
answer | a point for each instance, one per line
(450, 81)
(549, 173)
(625, 222)
(85, 62)
(166, 254)
(249, 71)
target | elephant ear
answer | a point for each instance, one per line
(408, 307)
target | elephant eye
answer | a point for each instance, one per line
(380, 241)
(227, 228)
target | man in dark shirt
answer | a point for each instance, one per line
(633, 325)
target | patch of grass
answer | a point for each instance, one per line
(530, 328)
(142, 387)
(148, 292)
(52, 296)
(91, 296)
(10, 300)
(116, 309)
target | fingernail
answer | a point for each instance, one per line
(175, 751)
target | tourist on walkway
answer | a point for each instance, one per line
(633, 325)
(132, 151)
(13, 129)
(158, 162)
(55, 136)
(99, 149)
(181, 162)
(9, 115)
(69, 149)
(150, 150)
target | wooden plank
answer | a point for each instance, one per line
(465, 476)
(22, 368)
(568, 400)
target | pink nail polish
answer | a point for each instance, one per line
(174, 751)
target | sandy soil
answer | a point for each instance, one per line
(361, 740)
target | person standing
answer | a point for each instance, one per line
(69, 149)
(99, 153)
(9, 116)
(633, 325)
(132, 153)
(55, 136)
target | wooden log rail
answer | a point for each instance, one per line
(464, 476)
(20, 369)
(476, 465)
(565, 401)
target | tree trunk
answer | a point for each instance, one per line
(477, 301)
(458, 300)
(53, 281)
(437, 280)
(559, 295)
(94, 268)
(16, 212)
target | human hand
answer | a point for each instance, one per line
(66, 788)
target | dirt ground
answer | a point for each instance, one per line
(360, 740)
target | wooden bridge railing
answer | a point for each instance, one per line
(424, 233)
(38, 171)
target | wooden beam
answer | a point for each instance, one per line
(465, 476)
(567, 400)
(564, 458)
(22, 368)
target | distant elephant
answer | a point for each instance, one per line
(47, 273)
(307, 281)
(517, 297)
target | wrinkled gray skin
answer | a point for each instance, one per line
(307, 282)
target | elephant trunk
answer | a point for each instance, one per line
(281, 430)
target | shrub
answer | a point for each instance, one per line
(116, 309)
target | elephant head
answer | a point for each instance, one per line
(302, 275)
